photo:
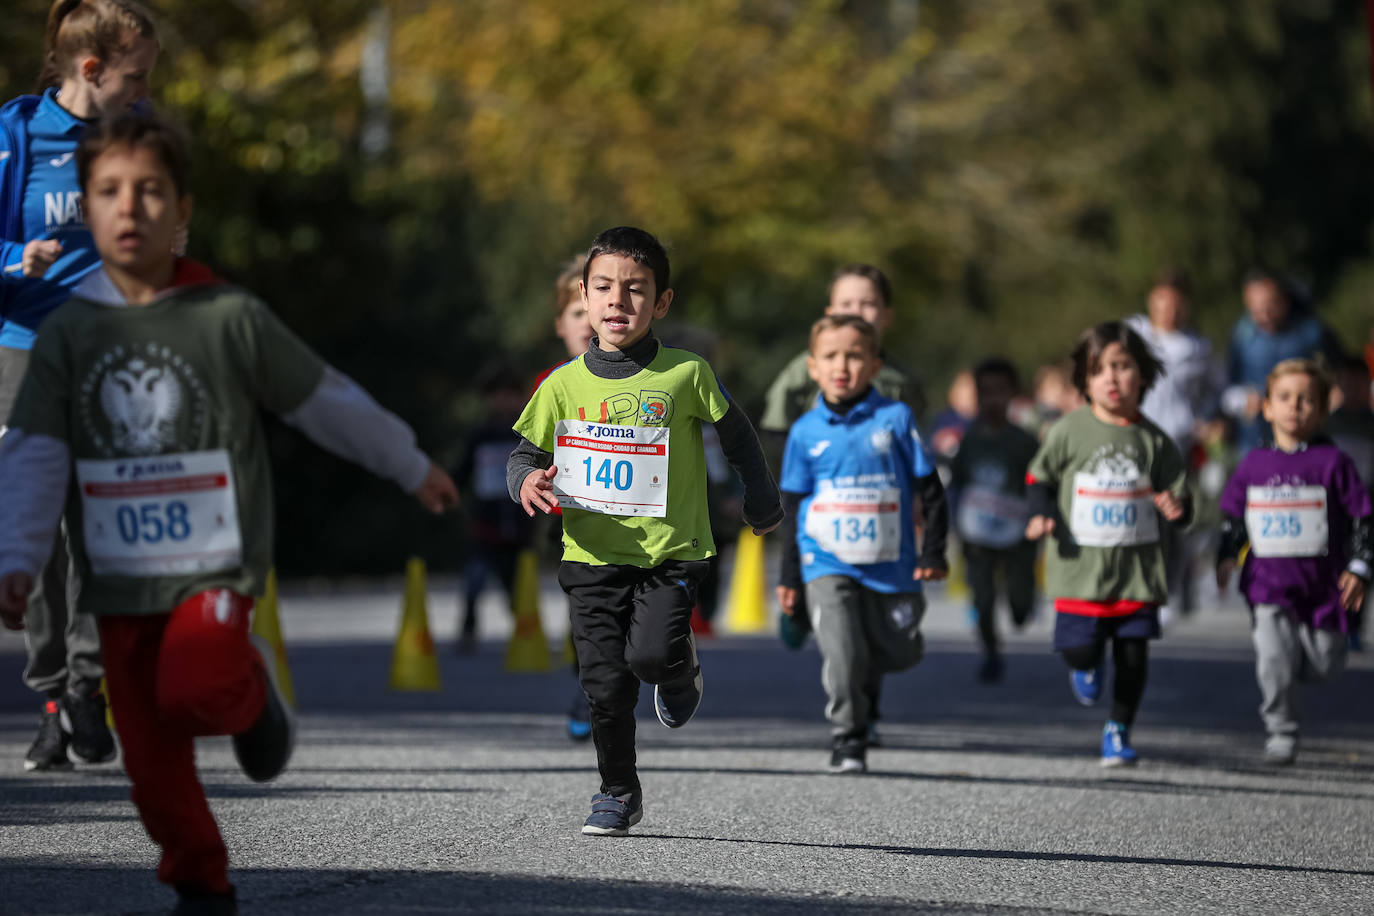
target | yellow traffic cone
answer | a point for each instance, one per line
(109, 707)
(956, 584)
(413, 663)
(748, 611)
(528, 649)
(267, 624)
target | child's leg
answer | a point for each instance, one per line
(1323, 654)
(1085, 657)
(892, 624)
(1131, 661)
(981, 565)
(834, 605)
(1278, 659)
(600, 599)
(160, 758)
(474, 583)
(1020, 568)
(659, 647)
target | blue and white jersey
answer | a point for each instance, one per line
(855, 472)
(48, 207)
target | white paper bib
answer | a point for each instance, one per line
(1113, 511)
(165, 515)
(1286, 521)
(991, 518)
(858, 525)
(613, 470)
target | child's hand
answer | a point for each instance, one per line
(1352, 591)
(14, 599)
(1169, 505)
(437, 492)
(1038, 527)
(536, 492)
(929, 573)
(1224, 570)
(38, 256)
(787, 597)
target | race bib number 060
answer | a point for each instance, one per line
(613, 470)
(161, 516)
(1111, 511)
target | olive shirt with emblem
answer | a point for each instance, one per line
(230, 355)
(1080, 442)
(793, 393)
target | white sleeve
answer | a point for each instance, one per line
(34, 470)
(343, 418)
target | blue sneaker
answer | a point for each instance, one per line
(1086, 685)
(1116, 746)
(579, 719)
(613, 815)
(676, 709)
(793, 628)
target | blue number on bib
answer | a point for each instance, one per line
(620, 477)
(1280, 525)
(151, 523)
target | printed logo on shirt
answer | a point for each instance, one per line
(142, 400)
(61, 208)
(881, 440)
(644, 408)
(819, 448)
(61, 160)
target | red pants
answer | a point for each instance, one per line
(172, 678)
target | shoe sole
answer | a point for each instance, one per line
(590, 830)
(849, 768)
(269, 661)
(1114, 762)
(33, 766)
(66, 722)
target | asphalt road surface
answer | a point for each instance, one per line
(984, 799)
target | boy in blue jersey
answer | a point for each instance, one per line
(852, 471)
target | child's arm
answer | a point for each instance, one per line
(343, 418)
(29, 514)
(1354, 580)
(1042, 484)
(935, 509)
(789, 573)
(1233, 540)
(762, 503)
(529, 477)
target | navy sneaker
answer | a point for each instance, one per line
(613, 815)
(1116, 746)
(847, 756)
(83, 717)
(265, 748)
(1086, 685)
(49, 749)
(675, 708)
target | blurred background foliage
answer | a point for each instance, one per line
(402, 180)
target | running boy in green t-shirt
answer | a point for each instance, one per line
(614, 438)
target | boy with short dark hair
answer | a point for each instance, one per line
(614, 438)
(853, 469)
(988, 480)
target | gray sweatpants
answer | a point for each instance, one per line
(63, 646)
(1288, 653)
(862, 635)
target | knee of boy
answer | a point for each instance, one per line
(612, 695)
(657, 666)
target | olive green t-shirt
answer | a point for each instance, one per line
(1106, 542)
(158, 405)
(677, 391)
(793, 393)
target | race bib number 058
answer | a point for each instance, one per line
(1286, 521)
(161, 516)
(613, 470)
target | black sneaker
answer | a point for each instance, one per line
(676, 708)
(847, 756)
(192, 902)
(263, 750)
(83, 717)
(613, 815)
(49, 749)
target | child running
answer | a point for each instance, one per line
(1100, 483)
(852, 469)
(988, 483)
(146, 387)
(1300, 505)
(614, 437)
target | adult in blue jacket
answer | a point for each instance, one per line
(1271, 331)
(98, 55)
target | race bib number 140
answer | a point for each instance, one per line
(165, 515)
(613, 470)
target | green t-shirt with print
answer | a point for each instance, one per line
(159, 407)
(677, 390)
(1106, 544)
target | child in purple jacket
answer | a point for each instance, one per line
(1302, 508)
